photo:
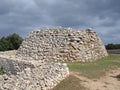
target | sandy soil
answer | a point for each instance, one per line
(107, 82)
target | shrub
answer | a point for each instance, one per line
(10, 42)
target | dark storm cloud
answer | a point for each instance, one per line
(22, 16)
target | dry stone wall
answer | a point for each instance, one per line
(12, 66)
(34, 68)
(44, 77)
(62, 45)
(29, 75)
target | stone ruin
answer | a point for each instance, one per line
(30, 75)
(62, 45)
(35, 65)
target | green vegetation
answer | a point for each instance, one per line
(10, 42)
(92, 70)
(1, 71)
(70, 83)
(112, 46)
(97, 68)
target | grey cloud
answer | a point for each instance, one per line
(4, 4)
(22, 16)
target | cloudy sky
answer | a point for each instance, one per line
(23, 16)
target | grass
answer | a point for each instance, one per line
(70, 83)
(98, 68)
(1, 71)
(91, 70)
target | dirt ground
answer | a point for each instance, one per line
(107, 82)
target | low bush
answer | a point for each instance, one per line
(10, 42)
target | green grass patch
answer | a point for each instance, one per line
(91, 70)
(97, 68)
(70, 83)
(1, 71)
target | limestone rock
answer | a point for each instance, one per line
(62, 45)
(44, 77)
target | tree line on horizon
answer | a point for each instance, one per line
(10, 42)
(111, 46)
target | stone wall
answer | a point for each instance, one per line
(11, 66)
(8, 54)
(62, 45)
(33, 67)
(44, 77)
(30, 74)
